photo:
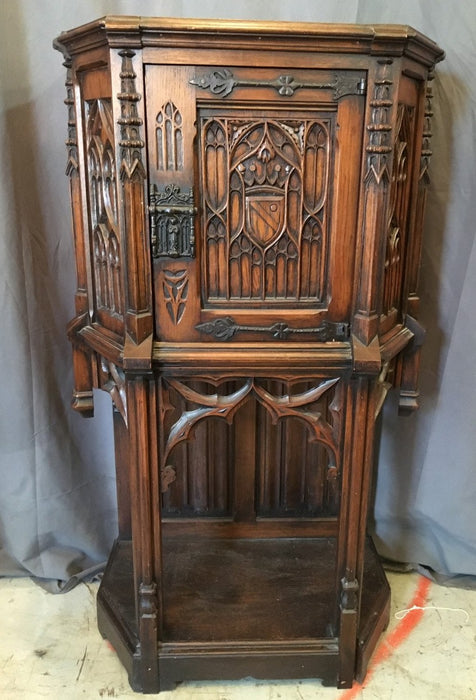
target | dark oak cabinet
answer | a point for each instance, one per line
(247, 207)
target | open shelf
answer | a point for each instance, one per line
(234, 608)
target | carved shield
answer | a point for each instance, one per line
(264, 218)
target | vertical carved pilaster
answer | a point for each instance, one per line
(72, 170)
(360, 408)
(145, 508)
(133, 175)
(423, 184)
(379, 141)
(426, 151)
(82, 400)
(71, 141)
(409, 363)
(131, 143)
(378, 150)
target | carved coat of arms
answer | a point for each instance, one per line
(265, 217)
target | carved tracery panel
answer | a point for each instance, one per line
(169, 138)
(297, 436)
(266, 207)
(398, 208)
(103, 198)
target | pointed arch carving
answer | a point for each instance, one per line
(169, 138)
(322, 429)
(104, 216)
(265, 202)
(398, 208)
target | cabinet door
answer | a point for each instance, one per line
(254, 178)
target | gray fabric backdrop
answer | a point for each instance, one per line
(57, 489)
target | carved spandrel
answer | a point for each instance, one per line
(300, 406)
(112, 380)
(265, 203)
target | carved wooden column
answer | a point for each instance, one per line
(82, 400)
(374, 201)
(357, 461)
(409, 365)
(133, 217)
(143, 458)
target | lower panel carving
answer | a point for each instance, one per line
(292, 448)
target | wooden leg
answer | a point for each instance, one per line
(82, 400)
(356, 468)
(121, 449)
(143, 462)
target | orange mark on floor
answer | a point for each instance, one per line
(393, 640)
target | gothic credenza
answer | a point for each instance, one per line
(247, 213)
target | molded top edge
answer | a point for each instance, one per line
(159, 27)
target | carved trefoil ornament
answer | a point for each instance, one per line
(172, 222)
(175, 288)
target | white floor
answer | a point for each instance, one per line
(50, 648)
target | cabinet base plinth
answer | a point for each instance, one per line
(201, 638)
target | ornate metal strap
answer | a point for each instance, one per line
(222, 83)
(171, 222)
(226, 328)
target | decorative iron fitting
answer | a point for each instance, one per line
(349, 595)
(148, 600)
(223, 82)
(226, 328)
(172, 222)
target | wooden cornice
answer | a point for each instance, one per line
(379, 39)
